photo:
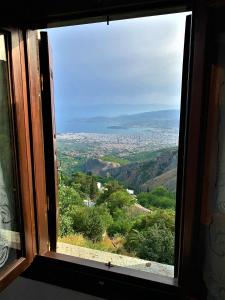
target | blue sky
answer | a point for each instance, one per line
(129, 66)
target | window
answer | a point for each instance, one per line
(117, 121)
(17, 245)
(34, 159)
(51, 165)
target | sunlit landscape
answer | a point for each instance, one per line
(117, 166)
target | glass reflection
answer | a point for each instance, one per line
(9, 224)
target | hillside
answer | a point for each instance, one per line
(98, 166)
(153, 119)
(167, 179)
(162, 118)
(139, 176)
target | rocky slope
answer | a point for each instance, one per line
(98, 166)
(139, 176)
(167, 179)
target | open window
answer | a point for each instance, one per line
(29, 133)
(117, 142)
(48, 228)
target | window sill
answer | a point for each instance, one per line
(131, 263)
(97, 279)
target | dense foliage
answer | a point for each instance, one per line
(159, 197)
(152, 236)
(110, 218)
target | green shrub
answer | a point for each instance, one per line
(160, 197)
(68, 198)
(152, 236)
(157, 245)
(122, 223)
(92, 222)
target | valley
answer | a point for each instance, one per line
(135, 160)
(116, 188)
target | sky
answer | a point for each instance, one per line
(126, 67)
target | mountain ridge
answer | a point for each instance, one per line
(168, 118)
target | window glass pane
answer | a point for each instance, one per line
(9, 224)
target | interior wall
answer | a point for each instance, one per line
(214, 266)
(27, 289)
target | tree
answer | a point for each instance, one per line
(63, 179)
(82, 181)
(159, 197)
(152, 236)
(157, 245)
(92, 222)
(111, 187)
(133, 241)
(121, 224)
(65, 224)
(68, 198)
(161, 217)
(119, 199)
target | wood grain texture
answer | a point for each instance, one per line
(37, 140)
(12, 271)
(23, 140)
(19, 104)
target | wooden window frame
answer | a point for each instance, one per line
(21, 136)
(171, 286)
(73, 273)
